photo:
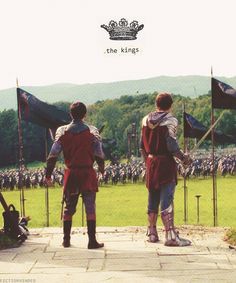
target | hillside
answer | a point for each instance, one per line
(191, 86)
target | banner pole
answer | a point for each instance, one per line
(82, 214)
(20, 148)
(47, 206)
(185, 185)
(214, 184)
(46, 189)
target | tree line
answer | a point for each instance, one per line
(116, 115)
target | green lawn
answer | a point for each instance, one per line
(124, 205)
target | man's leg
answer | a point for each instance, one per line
(167, 216)
(89, 199)
(69, 210)
(153, 204)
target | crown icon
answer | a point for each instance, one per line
(123, 30)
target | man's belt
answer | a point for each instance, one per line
(79, 167)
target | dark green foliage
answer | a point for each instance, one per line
(117, 115)
(8, 137)
(33, 140)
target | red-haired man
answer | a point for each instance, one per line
(159, 147)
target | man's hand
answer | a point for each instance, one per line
(187, 160)
(101, 169)
(100, 163)
(48, 182)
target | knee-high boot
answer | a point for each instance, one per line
(172, 237)
(93, 244)
(66, 230)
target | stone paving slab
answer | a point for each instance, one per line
(82, 253)
(126, 257)
(15, 267)
(116, 254)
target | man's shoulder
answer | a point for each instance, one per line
(144, 120)
(172, 123)
(95, 132)
(173, 119)
(68, 129)
(60, 132)
(170, 119)
(162, 119)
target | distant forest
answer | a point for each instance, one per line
(116, 115)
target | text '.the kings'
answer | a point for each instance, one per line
(122, 50)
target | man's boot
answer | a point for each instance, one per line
(66, 230)
(93, 244)
(152, 230)
(172, 237)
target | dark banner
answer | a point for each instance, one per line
(223, 95)
(194, 129)
(38, 112)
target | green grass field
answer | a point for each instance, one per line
(125, 205)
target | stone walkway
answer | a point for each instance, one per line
(126, 257)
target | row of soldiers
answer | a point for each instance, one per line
(123, 173)
(28, 178)
(33, 178)
(203, 167)
(116, 173)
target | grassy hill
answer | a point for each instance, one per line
(191, 86)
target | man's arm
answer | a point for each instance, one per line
(52, 158)
(142, 147)
(53, 155)
(173, 146)
(99, 155)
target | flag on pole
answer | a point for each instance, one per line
(223, 95)
(194, 129)
(38, 112)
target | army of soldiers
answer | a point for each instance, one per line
(29, 178)
(122, 173)
(203, 167)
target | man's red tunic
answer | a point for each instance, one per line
(79, 159)
(160, 164)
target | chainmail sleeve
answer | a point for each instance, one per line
(171, 139)
(54, 152)
(142, 147)
(99, 155)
